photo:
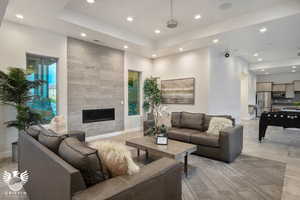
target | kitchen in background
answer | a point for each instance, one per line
(274, 96)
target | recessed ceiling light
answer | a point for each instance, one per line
(130, 19)
(263, 30)
(263, 70)
(260, 59)
(157, 31)
(255, 55)
(83, 34)
(154, 55)
(125, 47)
(180, 49)
(293, 70)
(294, 67)
(197, 16)
(19, 16)
(215, 41)
(90, 1)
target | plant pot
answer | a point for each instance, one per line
(150, 116)
(14, 151)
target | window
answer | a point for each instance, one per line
(44, 100)
(133, 93)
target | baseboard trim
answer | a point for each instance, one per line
(133, 130)
(108, 135)
(103, 136)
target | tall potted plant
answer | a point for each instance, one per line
(152, 103)
(152, 95)
(14, 91)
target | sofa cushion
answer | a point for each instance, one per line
(205, 139)
(50, 139)
(83, 158)
(182, 134)
(33, 131)
(175, 119)
(192, 120)
(207, 119)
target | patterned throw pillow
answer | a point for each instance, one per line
(116, 157)
(58, 125)
(217, 124)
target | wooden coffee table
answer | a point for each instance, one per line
(175, 149)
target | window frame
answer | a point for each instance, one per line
(27, 54)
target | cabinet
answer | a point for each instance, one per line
(289, 91)
(279, 88)
(297, 86)
(264, 87)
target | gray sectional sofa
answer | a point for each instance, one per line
(53, 178)
(192, 127)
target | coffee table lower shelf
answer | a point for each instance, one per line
(175, 149)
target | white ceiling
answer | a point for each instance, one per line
(278, 70)
(153, 14)
(236, 28)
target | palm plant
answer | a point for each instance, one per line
(14, 91)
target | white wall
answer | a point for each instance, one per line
(279, 78)
(228, 85)
(219, 87)
(144, 66)
(185, 65)
(15, 41)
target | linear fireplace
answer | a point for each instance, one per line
(98, 115)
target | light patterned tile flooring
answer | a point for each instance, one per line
(279, 145)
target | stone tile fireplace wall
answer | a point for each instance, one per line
(95, 81)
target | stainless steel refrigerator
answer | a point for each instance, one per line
(263, 102)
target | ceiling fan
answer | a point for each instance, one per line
(172, 23)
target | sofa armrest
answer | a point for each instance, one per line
(159, 180)
(231, 142)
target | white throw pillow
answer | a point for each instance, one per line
(217, 124)
(116, 157)
(58, 124)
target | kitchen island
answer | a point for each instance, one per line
(285, 119)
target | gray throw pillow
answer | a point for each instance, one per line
(83, 158)
(192, 120)
(50, 139)
(175, 119)
(33, 131)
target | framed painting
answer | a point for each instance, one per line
(178, 91)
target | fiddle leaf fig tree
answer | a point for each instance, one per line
(15, 91)
(152, 94)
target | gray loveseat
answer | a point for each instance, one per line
(192, 127)
(52, 178)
